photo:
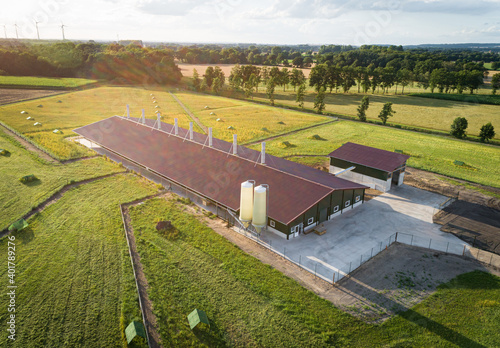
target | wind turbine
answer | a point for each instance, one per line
(37, 32)
(17, 34)
(62, 28)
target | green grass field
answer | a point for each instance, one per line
(84, 107)
(42, 82)
(429, 152)
(250, 304)
(249, 120)
(428, 113)
(17, 198)
(73, 272)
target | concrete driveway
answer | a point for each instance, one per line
(360, 233)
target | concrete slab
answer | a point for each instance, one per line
(360, 233)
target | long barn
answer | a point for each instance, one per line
(300, 197)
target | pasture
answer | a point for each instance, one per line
(249, 303)
(17, 198)
(428, 152)
(249, 120)
(43, 82)
(74, 277)
(428, 113)
(69, 111)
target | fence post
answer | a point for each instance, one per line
(477, 257)
(463, 252)
(447, 247)
(350, 264)
(380, 247)
(371, 254)
(411, 242)
(361, 260)
(333, 279)
(396, 239)
(430, 241)
(315, 267)
(491, 258)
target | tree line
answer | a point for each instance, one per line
(112, 62)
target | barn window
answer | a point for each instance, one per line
(272, 224)
(347, 203)
(310, 221)
(336, 209)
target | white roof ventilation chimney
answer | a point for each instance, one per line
(210, 142)
(143, 117)
(235, 145)
(190, 130)
(128, 111)
(159, 120)
(263, 154)
(176, 126)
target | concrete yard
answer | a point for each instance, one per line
(360, 233)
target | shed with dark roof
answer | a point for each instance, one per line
(300, 197)
(379, 169)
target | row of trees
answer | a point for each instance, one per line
(459, 127)
(370, 78)
(128, 64)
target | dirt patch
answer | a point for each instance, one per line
(437, 183)
(399, 278)
(475, 224)
(8, 95)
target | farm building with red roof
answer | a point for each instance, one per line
(376, 168)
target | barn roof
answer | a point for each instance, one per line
(370, 157)
(213, 172)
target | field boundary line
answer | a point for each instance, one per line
(141, 282)
(190, 114)
(31, 99)
(57, 196)
(253, 142)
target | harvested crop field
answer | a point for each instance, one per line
(8, 95)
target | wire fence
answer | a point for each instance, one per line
(39, 147)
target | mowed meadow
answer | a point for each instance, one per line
(249, 121)
(43, 82)
(435, 114)
(75, 282)
(428, 152)
(72, 110)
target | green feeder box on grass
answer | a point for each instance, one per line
(197, 316)
(398, 151)
(458, 163)
(133, 329)
(18, 225)
(3, 152)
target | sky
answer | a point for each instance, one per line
(354, 22)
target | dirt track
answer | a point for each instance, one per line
(10, 95)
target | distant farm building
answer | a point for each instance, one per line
(212, 170)
(376, 168)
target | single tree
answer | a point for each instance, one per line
(495, 83)
(271, 84)
(365, 103)
(386, 112)
(301, 92)
(319, 101)
(458, 127)
(487, 132)
(196, 80)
